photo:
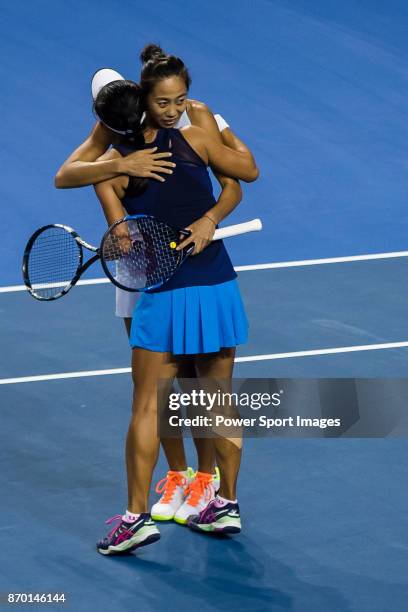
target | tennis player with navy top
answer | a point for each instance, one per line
(196, 320)
(198, 314)
(183, 490)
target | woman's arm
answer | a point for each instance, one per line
(220, 157)
(231, 192)
(199, 113)
(231, 162)
(81, 167)
(202, 230)
(109, 194)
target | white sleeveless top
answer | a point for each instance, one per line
(184, 121)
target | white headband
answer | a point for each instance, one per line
(102, 77)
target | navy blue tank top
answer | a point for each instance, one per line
(185, 196)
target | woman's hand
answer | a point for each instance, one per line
(201, 235)
(146, 163)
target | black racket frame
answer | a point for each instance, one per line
(183, 254)
(82, 267)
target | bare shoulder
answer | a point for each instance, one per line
(201, 116)
(197, 139)
(195, 108)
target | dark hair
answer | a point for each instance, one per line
(157, 65)
(119, 106)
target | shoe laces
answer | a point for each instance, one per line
(201, 485)
(117, 517)
(168, 485)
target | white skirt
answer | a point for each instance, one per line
(126, 302)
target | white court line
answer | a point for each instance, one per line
(266, 266)
(90, 281)
(318, 262)
(84, 374)
(328, 351)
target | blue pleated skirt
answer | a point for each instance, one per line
(190, 320)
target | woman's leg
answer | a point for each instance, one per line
(205, 454)
(136, 527)
(219, 366)
(128, 324)
(142, 443)
(173, 447)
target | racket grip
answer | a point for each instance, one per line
(240, 228)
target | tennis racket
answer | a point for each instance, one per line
(137, 253)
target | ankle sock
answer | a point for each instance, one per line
(221, 501)
(130, 517)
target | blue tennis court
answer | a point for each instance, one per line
(318, 91)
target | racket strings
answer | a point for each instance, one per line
(138, 253)
(53, 261)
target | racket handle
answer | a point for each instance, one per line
(240, 228)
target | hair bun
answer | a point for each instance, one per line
(150, 52)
